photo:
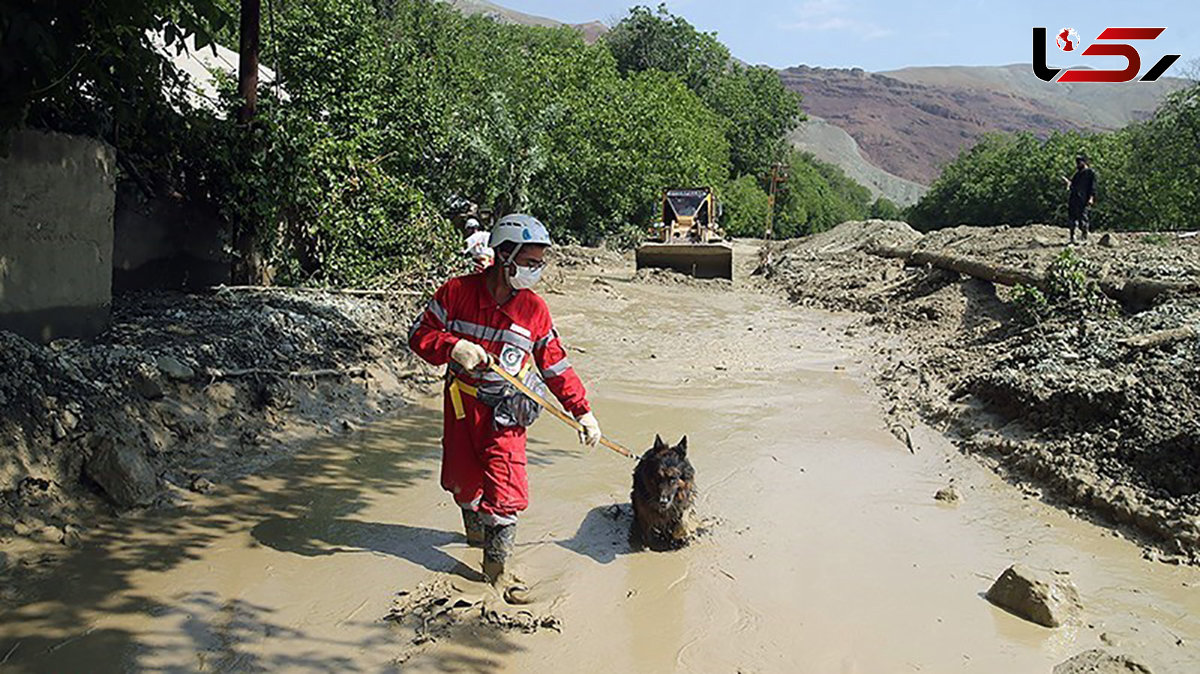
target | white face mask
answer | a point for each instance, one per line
(524, 277)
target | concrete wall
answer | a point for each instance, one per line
(57, 194)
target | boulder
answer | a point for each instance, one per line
(147, 381)
(1048, 599)
(947, 495)
(123, 472)
(174, 368)
(1097, 661)
(202, 485)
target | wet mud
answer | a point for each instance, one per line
(826, 550)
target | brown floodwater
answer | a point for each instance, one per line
(828, 552)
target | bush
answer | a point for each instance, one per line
(394, 106)
(1068, 291)
(885, 209)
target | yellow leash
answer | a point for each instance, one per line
(553, 409)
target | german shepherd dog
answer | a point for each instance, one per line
(663, 487)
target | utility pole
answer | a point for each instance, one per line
(248, 59)
(247, 263)
(778, 174)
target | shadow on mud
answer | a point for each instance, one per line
(604, 533)
(49, 612)
(321, 537)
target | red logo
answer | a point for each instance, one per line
(1068, 40)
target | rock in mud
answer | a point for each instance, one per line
(174, 368)
(123, 472)
(202, 485)
(1097, 661)
(147, 382)
(1044, 598)
(947, 495)
(72, 536)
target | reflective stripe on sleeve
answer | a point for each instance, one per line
(541, 343)
(435, 307)
(556, 369)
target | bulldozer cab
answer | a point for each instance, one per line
(689, 239)
(689, 216)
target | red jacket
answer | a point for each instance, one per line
(463, 308)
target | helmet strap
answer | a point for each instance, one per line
(513, 255)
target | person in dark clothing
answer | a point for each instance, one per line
(1082, 187)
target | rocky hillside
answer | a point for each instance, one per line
(1102, 107)
(829, 142)
(911, 121)
(591, 30)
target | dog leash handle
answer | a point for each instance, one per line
(553, 409)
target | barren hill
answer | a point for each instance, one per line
(910, 129)
(832, 144)
(591, 30)
(1108, 107)
(911, 121)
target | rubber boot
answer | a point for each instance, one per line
(498, 543)
(473, 526)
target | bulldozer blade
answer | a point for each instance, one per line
(701, 260)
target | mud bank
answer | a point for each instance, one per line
(1098, 409)
(184, 393)
(829, 552)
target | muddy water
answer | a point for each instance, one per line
(829, 553)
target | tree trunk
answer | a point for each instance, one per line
(247, 266)
(1134, 294)
(251, 14)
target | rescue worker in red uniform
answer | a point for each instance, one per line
(473, 320)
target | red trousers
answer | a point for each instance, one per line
(483, 467)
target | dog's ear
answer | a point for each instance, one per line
(682, 446)
(658, 442)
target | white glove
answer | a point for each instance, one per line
(590, 435)
(469, 354)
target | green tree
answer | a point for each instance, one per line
(758, 110)
(745, 207)
(1164, 156)
(816, 196)
(1017, 179)
(657, 40)
(53, 51)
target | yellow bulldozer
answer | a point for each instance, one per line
(689, 239)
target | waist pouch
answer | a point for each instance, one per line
(509, 406)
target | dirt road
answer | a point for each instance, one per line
(827, 553)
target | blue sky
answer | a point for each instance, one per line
(880, 35)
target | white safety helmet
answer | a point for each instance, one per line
(472, 225)
(520, 229)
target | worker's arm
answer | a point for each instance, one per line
(560, 377)
(428, 337)
(1092, 188)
